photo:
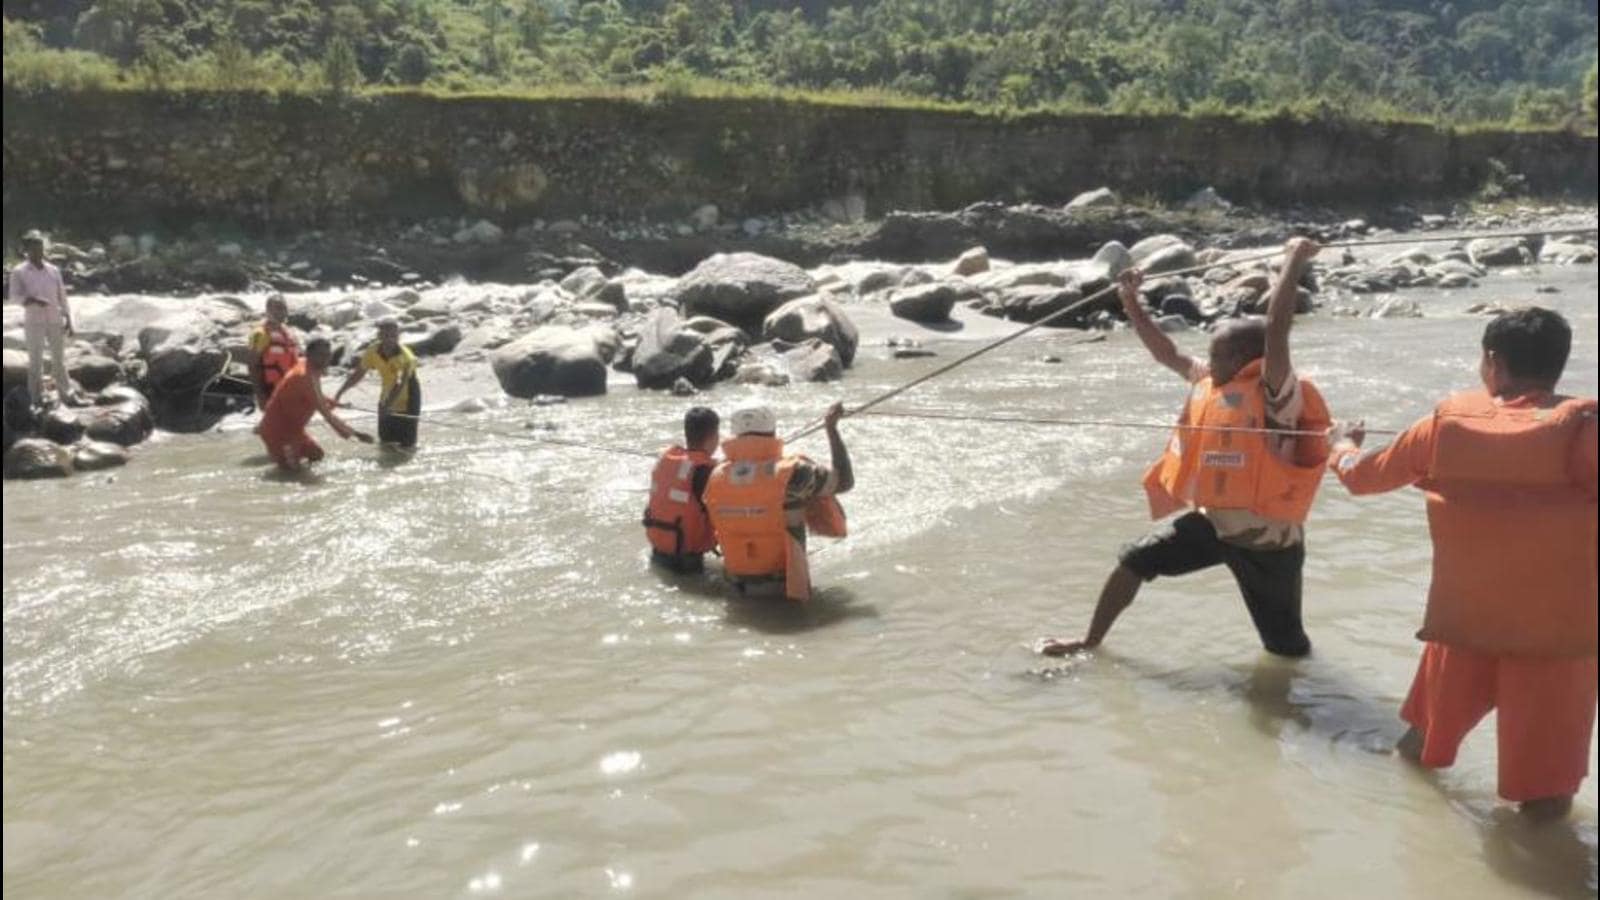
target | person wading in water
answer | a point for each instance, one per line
(1246, 492)
(1510, 477)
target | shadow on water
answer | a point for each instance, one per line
(1553, 858)
(770, 612)
(776, 615)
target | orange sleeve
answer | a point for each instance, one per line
(1401, 464)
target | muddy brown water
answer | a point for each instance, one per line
(455, 676)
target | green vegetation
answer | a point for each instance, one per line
(1528, 63)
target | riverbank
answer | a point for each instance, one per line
(301, 161)
(590, 327)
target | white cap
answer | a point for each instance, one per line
(754, 420)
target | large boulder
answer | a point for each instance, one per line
(181, 362)
(1566, 251)
(120, 416)
(667, 352)
(61, 425)
(814, 318)
(1169, 259)
(37, 458)
(1500, 252)
(1113, 258)
(91, 456)
(741, 288)
(929, 304)
(94, 372)
(553, 359)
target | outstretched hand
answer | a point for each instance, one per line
(830, 419)
(1351, 434)
(363, 437)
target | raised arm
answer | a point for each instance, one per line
(1154, 339)
(1277, 364)
(839, 456)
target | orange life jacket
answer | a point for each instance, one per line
(745, 498)
(675, 520)
(280, 355)
(1221, 469)
(1512, 511)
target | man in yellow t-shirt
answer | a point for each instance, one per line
(401, 404)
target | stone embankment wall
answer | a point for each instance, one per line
(296, 161)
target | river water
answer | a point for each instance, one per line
(455, 676)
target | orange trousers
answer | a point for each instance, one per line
(1546, 711)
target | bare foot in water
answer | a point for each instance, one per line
(1058, 647)
(1410, 746)
(1546, 809)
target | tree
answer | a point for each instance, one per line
(340, 73)
(412, 66)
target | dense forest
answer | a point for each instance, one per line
(1527, 62)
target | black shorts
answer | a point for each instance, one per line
(402, 430)
(1268, 579)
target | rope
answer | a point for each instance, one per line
(492, 432)
(815, 425)
(1108, 423)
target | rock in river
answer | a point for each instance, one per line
(814, 318)
(551, 360)
(741, 288)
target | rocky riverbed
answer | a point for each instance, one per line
(548, 314)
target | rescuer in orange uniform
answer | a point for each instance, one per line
(675, 520)
(1247, 490)
(762, 501)
(1509, 473)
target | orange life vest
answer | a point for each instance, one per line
(1512, 511)
(280, 355)
(1207, 466)
(675, 520)
(745, 498)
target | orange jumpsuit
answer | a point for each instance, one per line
(288, 412)
(1511, 617)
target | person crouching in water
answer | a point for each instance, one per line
(762, 501)
(1247, 491)
(675, 521)
(1509, 474)
(400, 403)
(296, 398)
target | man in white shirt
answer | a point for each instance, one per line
(36, 284)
